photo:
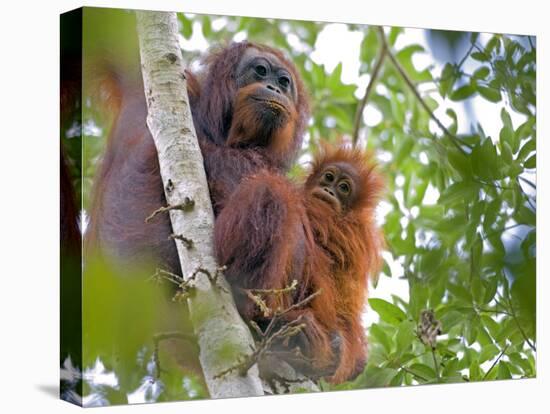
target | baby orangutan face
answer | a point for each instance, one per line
(336, 184)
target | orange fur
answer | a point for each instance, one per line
(353, 244)
(248, 127)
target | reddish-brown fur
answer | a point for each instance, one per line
(272, 232)
(264, 238)
(128, 187)
(353, 244)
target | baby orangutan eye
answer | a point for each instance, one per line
(344, 188)
(329, 176)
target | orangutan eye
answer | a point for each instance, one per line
(284, 81)
(329, 176)
(261, 70)
(344, 188)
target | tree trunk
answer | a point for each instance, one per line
(222, 335)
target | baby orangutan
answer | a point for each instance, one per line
(341, 194)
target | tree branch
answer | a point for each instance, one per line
(526, 181)
(370, 87)
(216, 322)
(457, 142)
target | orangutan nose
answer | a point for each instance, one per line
(273, 88)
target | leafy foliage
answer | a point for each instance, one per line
(459, 215)
(470, 256)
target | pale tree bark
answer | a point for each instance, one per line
(222, 335)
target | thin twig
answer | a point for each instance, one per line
(522, 332)
(494, 363)
(466, 55)
(500, 187)
(526, 181)
(187, 242)
(269, 335)
(287, 330)
(187, 205)
(457, 142)
(161, 274)
(370, 87)
(257, 296)
(286, 289)
(414, 374)
(483, 310)
(531, 43)
(492, 233)
(212, 278)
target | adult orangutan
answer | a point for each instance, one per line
(250, 110)
(322, 235)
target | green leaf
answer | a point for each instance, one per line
(369, 46)
(485, 161)
(482, 72)
(506, 151)
(491, 325)
(492, 95)
(457, 192)
(491, 285)
(379, 334)
(531, 162)
(404, 55)
(388, 312)
(375, 377)
(525, 215)
(483, 337)
(476, 258)
(404, 150)
(206, 27)
(419, 294)
(460, 162)
(318, 75)
(450, 319)
(507, 329)
(342, 117)
(460, 292)
(526, 150)
(447, 79)
(405, 336)
(475, 372)
(334, 80)
(462, 93)
(422, 372)
(398, 110)
(491, 45)
(506, 120)
(479, 56)
(525, 130)
(394, 32)
(488, 352)
(503, 370)
(186, 26)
